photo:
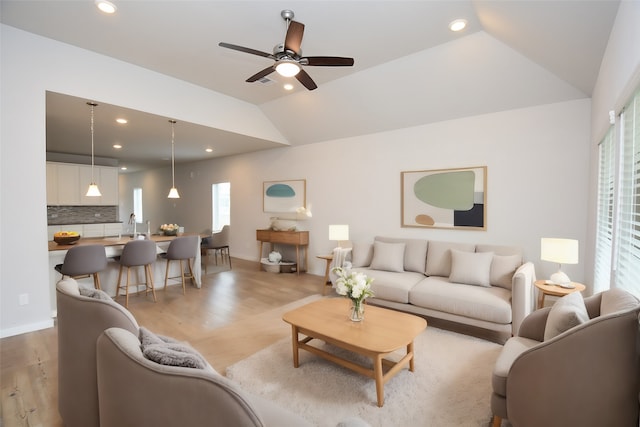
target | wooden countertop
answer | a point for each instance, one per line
(106, 241)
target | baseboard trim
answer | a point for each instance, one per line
(23, 329)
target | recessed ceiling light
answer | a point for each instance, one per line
(288, 86)
(122, 121)
(458, 25)
(106, 6)
(117, 146)
(123, 168)
(209, 150)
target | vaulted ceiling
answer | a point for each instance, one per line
(410, 69)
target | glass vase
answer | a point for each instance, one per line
(356, 311)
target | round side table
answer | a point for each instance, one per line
(545, 288)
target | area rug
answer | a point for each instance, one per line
(450, 387)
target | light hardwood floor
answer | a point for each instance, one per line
(235, 313)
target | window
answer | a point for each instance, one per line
(221, 205)
(137, 204)
(617, 262)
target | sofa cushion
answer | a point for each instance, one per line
(491, 304)
(513, 348)
(503, 267)
(470, 268)
(415, 252)
(567, 312)
(392, 286)
(388, 256)
(361, 254)
(439, 257)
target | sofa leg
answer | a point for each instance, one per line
(497, 421)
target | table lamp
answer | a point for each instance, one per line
(560, 251)
(340, 233)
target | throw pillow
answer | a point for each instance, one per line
(471, 268)
(439, 256)
(361, 254)
(174, 354)
(94, 293)
(388, 256)
(148, 338)
(567, 312)
(503, 268)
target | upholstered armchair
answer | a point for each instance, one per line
(81, 320)
(586, 375)
(136, 391)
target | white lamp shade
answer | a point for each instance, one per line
(339, 232)
(93, 190)
(560, 251)
(173, 193)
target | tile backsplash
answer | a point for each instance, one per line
(61, 215)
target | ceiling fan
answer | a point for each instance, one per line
(288, 56)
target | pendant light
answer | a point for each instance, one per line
(93, 190)
(173, 193)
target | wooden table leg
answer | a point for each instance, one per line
(260, 258)
(326, 277)
(378, 374)
(540, 298)
(410, 351)
(294, 342)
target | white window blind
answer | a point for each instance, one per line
(604, 234)
(627, 267)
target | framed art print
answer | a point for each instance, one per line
(445, 198)
(283, 196)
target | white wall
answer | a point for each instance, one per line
(537, 161)
(31, 65)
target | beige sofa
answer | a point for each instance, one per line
(573, 364)
(485, 286)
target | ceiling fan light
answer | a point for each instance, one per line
(287, 68)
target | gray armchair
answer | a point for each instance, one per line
(81, 320)
(135, 391)
(219, 244)
(587, 376)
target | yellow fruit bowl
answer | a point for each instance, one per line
(66, 239)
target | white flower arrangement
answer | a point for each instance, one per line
(355, 286)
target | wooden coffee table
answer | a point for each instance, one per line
(382, 332)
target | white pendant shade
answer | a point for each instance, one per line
(93, 191)
(173, 193)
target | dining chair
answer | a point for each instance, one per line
(137, 253)
(181, 249)
(219, 244)
(84, 261)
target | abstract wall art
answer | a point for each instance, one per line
(283, 196)
(445, 198)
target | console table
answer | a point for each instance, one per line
(295, 238)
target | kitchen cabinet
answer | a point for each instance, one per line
(88, 230)
(67, 184)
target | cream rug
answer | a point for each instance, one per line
(451, 385)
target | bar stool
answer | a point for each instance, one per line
(137, 253)
(218, 243)
(181, 248)
(84, 261)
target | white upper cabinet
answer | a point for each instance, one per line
(67, 184)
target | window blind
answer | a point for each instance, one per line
(627, 265)
(605, 206)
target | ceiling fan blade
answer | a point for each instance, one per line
(246, 50)
(306, 80)
(293, 40)
(261, 74)
(327, 61)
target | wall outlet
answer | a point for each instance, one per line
(24, 299)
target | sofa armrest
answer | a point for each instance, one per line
(522, 299)
(533, 325)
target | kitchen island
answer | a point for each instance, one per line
(108, 278)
